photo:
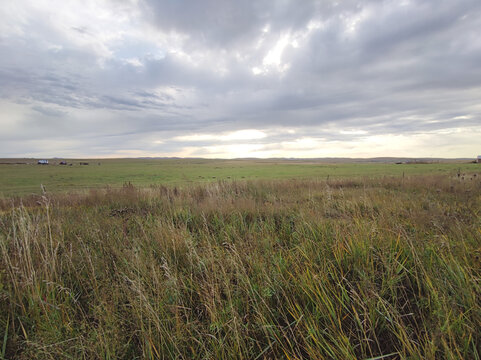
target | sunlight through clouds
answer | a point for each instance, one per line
(248, 134)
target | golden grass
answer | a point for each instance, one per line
(344, 269)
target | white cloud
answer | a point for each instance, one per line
(274, 55)
(248, 134)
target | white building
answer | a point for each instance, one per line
(43, 162)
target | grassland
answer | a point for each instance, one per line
(345, 268)
(23, 179)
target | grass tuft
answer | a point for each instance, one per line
(386, 268)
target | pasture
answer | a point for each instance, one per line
(240, 259)
(24, 179)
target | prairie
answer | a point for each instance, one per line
(23, 176)
(380, 267)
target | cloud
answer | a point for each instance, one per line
(248, 134)
(233, 79)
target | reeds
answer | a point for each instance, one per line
(344, 269)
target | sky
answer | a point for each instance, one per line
(231, 79)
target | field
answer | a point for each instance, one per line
(23, 179)
(365, 264)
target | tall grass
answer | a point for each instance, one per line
(345, 269)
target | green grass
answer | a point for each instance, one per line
(26, 179)
(350, 268)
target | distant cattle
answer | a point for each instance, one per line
(62, 163)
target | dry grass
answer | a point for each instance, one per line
(346, 269)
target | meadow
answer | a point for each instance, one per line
(281, 267)
(23, 179)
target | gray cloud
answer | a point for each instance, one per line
(114, 77)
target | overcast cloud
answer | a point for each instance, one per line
(115, 78)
